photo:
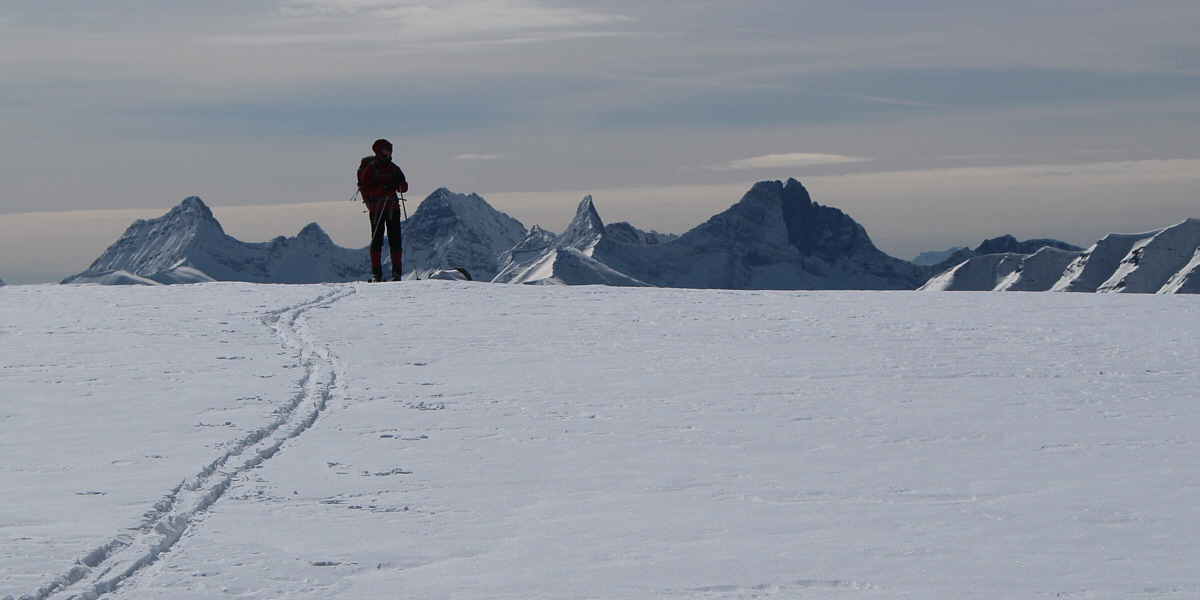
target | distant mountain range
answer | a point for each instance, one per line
(1164, 261)
(188, 245)
(775, 237)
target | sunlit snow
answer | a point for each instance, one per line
(448, 439)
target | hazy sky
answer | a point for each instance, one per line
(932, 123)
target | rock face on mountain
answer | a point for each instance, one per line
(776, 237)
(450, 231)
(1006, 271)
(188, 245)
(624, 232)
(1165, 261)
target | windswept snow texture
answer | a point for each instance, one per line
(441, 439)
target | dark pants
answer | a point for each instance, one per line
(388, 220)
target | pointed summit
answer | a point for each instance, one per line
(193, 209)
(313, 233)
(150, 246)
(450, 230)
(585, 229)
(775, 237)
(188, 245)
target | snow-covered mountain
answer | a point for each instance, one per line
(451, 231)
(776, 237)
(1165, 261)
(188, 245)
(1007, 271)
(542, 258)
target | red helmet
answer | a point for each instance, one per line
(380, 145)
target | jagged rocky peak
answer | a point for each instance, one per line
(190, 211)
(818, 230)
(585, 229)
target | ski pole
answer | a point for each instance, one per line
(376, 228)
(407, 234)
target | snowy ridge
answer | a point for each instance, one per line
(450, 231)
(776, 237)
(543, 259)
(1006, 271)
(524, 261)
(1187, 280)
(108, 566)
(188, 245)
(1038, 272)
(151, 246)
(1155, 261)
(1162, 261)
(1088, 272)
(978, 273)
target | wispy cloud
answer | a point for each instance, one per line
(479, 157)
(776, 161)
(410, 22)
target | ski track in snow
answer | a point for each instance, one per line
(564, 442)
(108, 566)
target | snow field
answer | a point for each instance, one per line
(593, 442)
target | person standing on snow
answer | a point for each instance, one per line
(379, 179)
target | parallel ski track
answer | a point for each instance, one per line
(106, 567)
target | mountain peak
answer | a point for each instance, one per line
(585, 229)
(450, 230)
(192, 210)
(313, 233)
(819, 230)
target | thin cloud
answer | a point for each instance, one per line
(412, 22)
(777, 161)
(479, 157)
